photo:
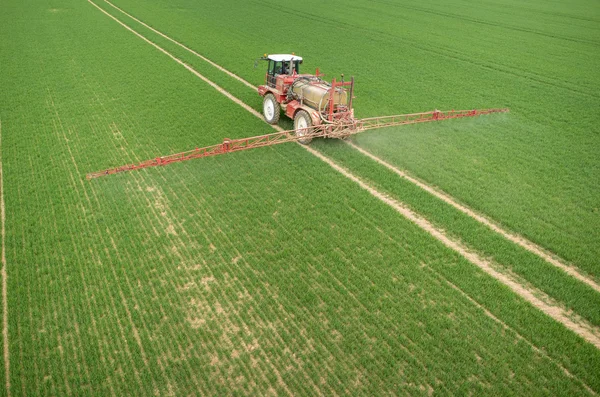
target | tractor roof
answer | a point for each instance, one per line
(284, 57)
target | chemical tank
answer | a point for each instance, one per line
(315, 93)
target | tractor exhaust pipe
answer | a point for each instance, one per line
(350, 94)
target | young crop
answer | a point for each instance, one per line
(260, 272)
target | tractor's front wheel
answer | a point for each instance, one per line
(271, 109)
(302, 123)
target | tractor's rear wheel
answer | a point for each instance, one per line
(271, 109)
(303, 121)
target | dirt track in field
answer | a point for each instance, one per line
(222, 69)
(528, 245)
(586, 331)
(4, 278)
(557, 313)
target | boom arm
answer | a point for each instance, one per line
(337, 130)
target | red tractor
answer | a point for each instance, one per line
(307, 99)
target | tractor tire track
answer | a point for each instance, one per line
(4, 278)
(222, 69)
(519, 240)
(179, 61)
(584, 330)
(440, 276)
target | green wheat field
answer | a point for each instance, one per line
(268, 272)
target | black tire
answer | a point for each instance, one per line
(271, 109)
(302, 120)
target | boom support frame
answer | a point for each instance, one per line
(341, 129)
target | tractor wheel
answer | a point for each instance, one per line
(271, 109)
(302, 121)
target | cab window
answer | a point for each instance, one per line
(275, 68)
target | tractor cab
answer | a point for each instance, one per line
(281, 65)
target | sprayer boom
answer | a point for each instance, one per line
(333, 130)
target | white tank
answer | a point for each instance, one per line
(316, 94)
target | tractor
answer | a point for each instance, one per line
(306, 98)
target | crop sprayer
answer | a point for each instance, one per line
(319, 110)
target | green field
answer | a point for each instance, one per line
(268, 271)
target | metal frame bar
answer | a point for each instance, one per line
(341, 129)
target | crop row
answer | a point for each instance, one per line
(261, 272)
